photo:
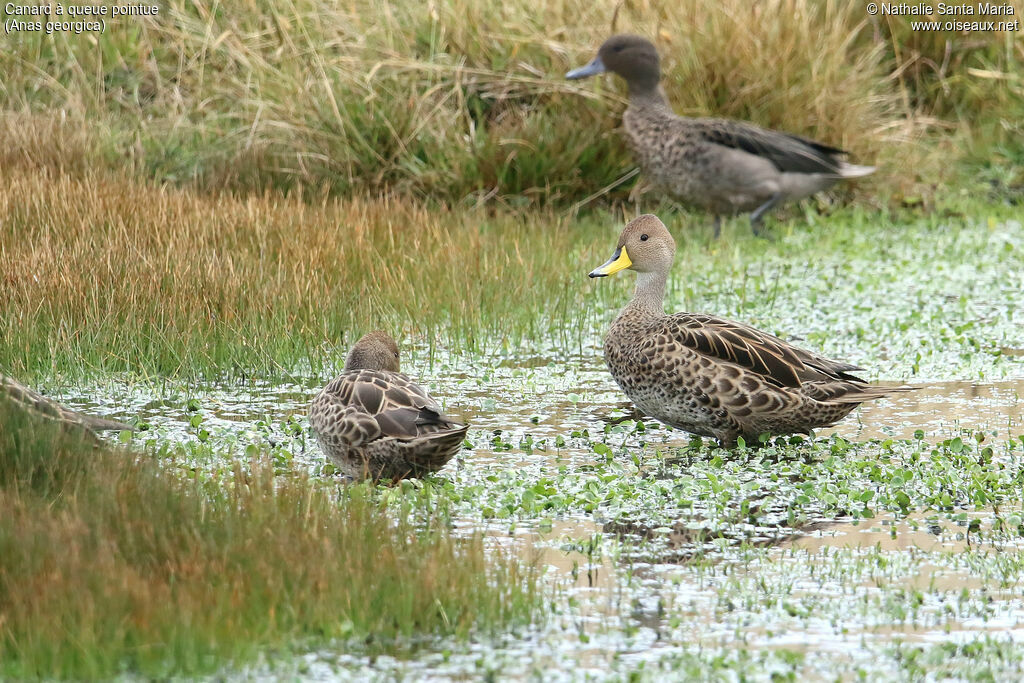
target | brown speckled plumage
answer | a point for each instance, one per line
(711, 376)
(34, 402)
(720, 165)
(374, 422)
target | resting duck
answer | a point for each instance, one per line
(374, 422)
(720, 165)
(33, 402)
(711, 376)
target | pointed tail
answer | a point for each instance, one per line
(854, 171)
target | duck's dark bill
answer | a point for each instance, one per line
(592, 69)
(619, 261)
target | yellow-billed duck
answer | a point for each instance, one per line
(711, 376)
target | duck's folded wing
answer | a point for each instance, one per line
(402, 408)
(33, 401)
(778, 361)
(396, 406)
(372, 391)
(408, 423)
(789, 153)
(848, 392)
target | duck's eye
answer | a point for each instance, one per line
(618, 48)
(643, 238)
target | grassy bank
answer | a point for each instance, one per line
(103, 274)
(111, 564)
(465, 99)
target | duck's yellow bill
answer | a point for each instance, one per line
(618, 261)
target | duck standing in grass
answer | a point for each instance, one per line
(374, 422)
(720, 165)
(711, 376)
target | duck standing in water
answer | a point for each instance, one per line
(374, 422)
(711, 376)
(722, 166)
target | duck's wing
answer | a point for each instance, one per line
(408, 411)
(790, 153)
(778, 361)
(394, 404)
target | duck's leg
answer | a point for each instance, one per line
(758, 214)
(634, 415)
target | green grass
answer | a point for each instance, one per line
(113, 562)
(464, 99)
(198, 285)
(201, 286)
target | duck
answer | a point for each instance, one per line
(711, 376)
(28, 400)
(723, 166)
(373, 422)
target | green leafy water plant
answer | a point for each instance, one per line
(114, 563)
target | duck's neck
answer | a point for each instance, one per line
(649, 295)
(645, 94)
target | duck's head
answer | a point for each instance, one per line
(634, 58)
(645, 246)
(375, 351)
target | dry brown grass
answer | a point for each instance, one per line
(458, 98)
(123, 276)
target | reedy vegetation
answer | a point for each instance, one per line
(101, 274)
(418, 113)
(112, 563)
(456, 99)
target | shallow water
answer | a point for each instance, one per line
(939, 408)
(813, 595)
(544, 399)
(886, 547)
